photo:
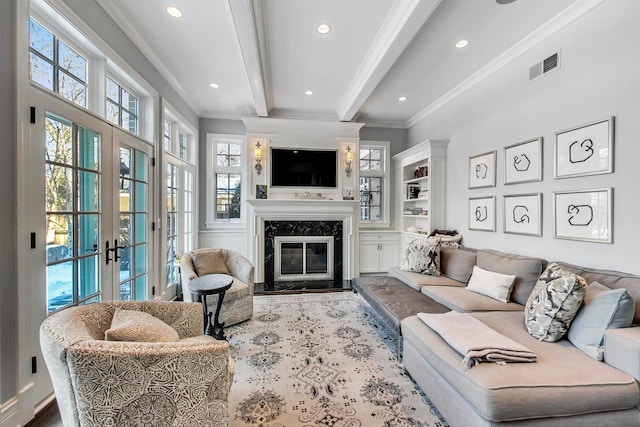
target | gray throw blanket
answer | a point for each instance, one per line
(475, 340)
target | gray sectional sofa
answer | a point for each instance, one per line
(565, 387)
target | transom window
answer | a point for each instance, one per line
(122, 106)
(56, 66)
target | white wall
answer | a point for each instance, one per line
(599, 75)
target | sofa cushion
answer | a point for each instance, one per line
(603, 309)
(422, 256)
(210, 261)
(417, 280)
(553, 303)
(463, 300)
(563, 382)
(133, 325)
(457, 264)
(526, 269)
(494, 285)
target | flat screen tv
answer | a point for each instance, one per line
(303, 168)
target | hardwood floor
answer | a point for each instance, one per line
(50, 417)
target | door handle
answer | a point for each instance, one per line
(106, 251)
(116, 250)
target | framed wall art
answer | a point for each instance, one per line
(482, 170)
(523, 162)
(482, 213)
(523, 214)
(585, 150)
(583, 215)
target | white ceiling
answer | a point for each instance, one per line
(264, 54)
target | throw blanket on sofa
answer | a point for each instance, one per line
(475, 340)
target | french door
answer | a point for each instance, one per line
(96, 206)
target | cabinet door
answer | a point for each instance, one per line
(369, 256)
(388, 255)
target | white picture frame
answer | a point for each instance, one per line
(585, 150)
(585, 215)
(482, 170)
(523, 214)
(523, 162)
(482, 213)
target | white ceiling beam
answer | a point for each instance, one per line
(403, 22)
(249, 23)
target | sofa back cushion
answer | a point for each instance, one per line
(457, 263)
(611, 279)
(527, 270)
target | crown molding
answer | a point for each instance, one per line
(558, 22)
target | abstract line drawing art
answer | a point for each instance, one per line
(523, 162)
(482, 170)
(584, 215)
(482, 213)
(585, 150)
(523, 214)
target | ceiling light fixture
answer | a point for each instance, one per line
(504, 1)
(462, 43)
(323, 28)
(308, 92)
(174, 11)
(214, 85)
(402, 98)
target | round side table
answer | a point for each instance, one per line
(211, 284)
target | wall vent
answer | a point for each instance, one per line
(545, 66)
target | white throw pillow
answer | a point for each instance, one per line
(134, 325)
(494, 285)
(602, 309)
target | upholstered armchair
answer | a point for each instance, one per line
(237, 305)
(126, 383)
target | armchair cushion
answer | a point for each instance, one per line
(210, 261)
(133, 325)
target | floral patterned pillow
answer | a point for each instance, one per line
(422, 256)
(553, 303)
(133, 325)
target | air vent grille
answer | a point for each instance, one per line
(550, 63)
(543, 67)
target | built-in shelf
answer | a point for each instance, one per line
(416, 199)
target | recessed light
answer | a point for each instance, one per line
(323, 28)
(402, 98)
(308, 92)
(462, 43)
(214, 85)
(174, 11)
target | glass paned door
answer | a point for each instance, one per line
(132, 246)
(73, 175)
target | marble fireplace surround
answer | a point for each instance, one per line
(291, 216)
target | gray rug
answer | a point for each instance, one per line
(320, 360)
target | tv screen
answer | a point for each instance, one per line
(303, 168)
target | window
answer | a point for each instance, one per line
(121, 107)
(172, 223)
(55, 65)
(189, 207)
(167, 136)
(374, 184)
(228, 180)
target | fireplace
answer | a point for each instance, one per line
(303, 250)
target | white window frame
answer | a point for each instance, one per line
(212, 169)
(385, 174)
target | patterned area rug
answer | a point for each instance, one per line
(320, 360)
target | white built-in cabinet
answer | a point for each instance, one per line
(378, 251)
(421, 173)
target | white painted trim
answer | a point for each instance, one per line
(249, 25)
(274, 126)
(558, 22)
(9, 413)
(404, 20)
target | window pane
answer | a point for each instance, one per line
(129, 102)
(58, 140)
(88, 187)
(59, 286)
(141, 228)
(88, 237)
(71, 61)
(113, 113)
(228, 190)
(40, 39)
(58, 188)
(89, 149)
(375, 154)
(113, 90)
(141, 170)
(141, 260)
(88, 276)
(72, 89)
(59, 237)
(40, 71)
(125, 195)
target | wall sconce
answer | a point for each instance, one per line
(348, 160)
(258, 155)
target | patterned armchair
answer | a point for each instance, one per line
(237, 305)
(125, 383)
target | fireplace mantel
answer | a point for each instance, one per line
(303, 209)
